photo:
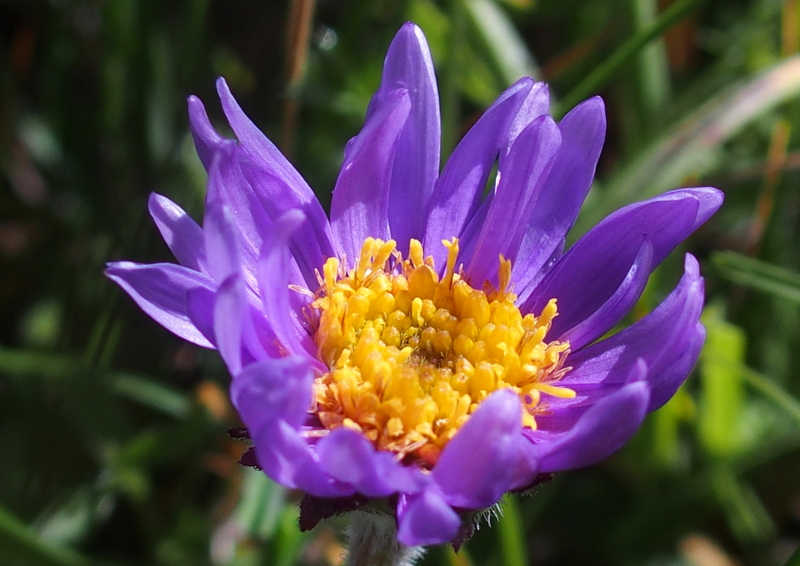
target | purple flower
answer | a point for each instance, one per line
(429, 345)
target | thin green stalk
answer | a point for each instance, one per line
(511, 534)
(773, 392)
(592, 83)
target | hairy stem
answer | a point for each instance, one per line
(373, 542)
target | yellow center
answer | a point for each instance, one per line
(411, 355)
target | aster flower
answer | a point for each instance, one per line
(432, 345)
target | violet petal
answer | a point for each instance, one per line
(477, 465)
(274, 289)
(361, 197)
(660, 339)
(425, 519)
(602, 429)
(604, 255)
(522, 175)
(582, 134)
(180, 232)
(206, 139)
(350, 458)
(409, 66)
(458, 190)
(229, 311)
(160, 290)
(618, 305)
(272, 390)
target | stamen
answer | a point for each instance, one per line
(412, 356)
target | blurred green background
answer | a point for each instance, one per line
(113, 443)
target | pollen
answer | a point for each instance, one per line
(411, 355)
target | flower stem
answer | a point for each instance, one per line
(373, 542)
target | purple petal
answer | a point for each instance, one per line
(589, 273)
(286, 457)
(582, 133)
(667, 339)
(256, 145)
(229, 312)
(602, 429)
(275, 293)
(457, 193)
(528, 465)
(675, 369)
(247, 221)
(408, 66)
(536, 104)
(181, 233)
(477, 466)
(206, 139)
(311, 244)
(350, 458)
(426, 519)
(618, 305)
(161, 290)
(271, 398)
(221, 242)
(200, 309)
(273, 390)
(361, 196)
(522, 175)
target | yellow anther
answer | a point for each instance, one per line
(411, 356)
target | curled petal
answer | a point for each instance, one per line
(286, 457)
(604, 255)
(361, 197)
(535, 105)
(351, 459)
(602, 429)
(180, 232)
(272, 390)
(311, 244)
(271, 399)
(667, 340)
(425, 519)
(161, 290)
(478, 465)
(618, 305)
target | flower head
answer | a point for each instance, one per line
(430, 346)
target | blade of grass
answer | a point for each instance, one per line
(758, 275)
(507, 50)
(606, 70)
(511, 534)
(688, 148)
(18, 535)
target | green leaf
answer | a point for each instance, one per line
(722, 395)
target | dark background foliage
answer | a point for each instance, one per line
(113, 443)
